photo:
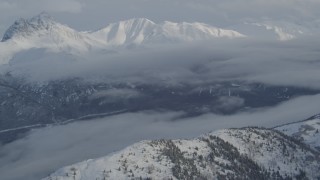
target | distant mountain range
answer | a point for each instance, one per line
(132, 31)
(246, 153)
(42, 31)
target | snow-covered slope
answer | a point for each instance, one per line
(306, 131)
(42, 31)
(141, 30)
(248, 153)
(277, 30)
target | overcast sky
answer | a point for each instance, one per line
(94, 14)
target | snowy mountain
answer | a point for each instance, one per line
(306, 131)
(42, 31)
(277, 30)
(141, 30)
(247, 153)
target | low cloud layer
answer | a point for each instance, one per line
(291, 63)
(45, 150)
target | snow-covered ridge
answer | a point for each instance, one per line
(306, 131)
(141, 30)
(247, 153)
(132, 31)
(25, 27)
(42, 31)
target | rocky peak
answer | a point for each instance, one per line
(24, 27)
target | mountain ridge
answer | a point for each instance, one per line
(306, 131)
(42, 31)
(44, 22)
(245, 153)
(41, 21)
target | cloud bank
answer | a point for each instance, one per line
(291, 63)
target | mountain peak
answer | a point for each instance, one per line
(135, 23)
(42, 17)
(24, 27)
(141, 20)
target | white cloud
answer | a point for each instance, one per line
(292, 63)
